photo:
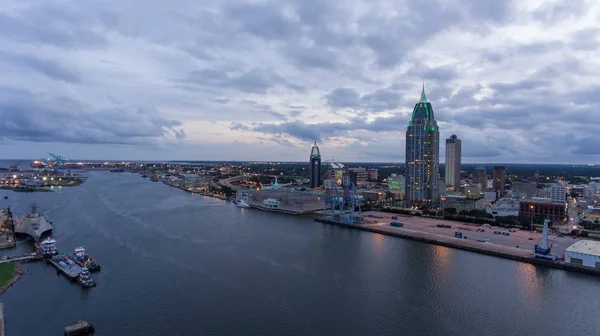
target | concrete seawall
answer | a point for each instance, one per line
(467, 245)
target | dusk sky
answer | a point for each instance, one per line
(517, 81)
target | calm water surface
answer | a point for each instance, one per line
(176, 263)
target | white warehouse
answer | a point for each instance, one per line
(584, 252)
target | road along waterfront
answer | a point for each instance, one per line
(179, 263)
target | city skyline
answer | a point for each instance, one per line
(101, 81)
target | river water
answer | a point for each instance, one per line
(174, 263)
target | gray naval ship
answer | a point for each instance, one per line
(33, 224)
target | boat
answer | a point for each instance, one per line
(85, 278)
(80, 328)
(242, 204)
(46, 247)
(83, 260)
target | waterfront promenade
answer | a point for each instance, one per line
(515, 246)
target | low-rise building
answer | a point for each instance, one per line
(462, 202)
(504, 207)
(584, 252)
(543, 208)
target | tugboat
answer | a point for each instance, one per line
(46, 248)
(82, 259)
(85, 278)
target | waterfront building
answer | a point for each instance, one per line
(315, 167)
(422, 155)
(505, 207)
(499, 180)
(453, 161)
(543, 208)
(584, 252)
(480, 176)
(462, 202)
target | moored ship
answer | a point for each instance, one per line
(81, 258)
(85, 278)
(242, 204)
(33, 224)
(46, 247)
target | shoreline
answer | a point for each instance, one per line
(18, 273)
(490, 249)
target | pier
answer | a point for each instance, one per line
(508, 252)
(26, 257)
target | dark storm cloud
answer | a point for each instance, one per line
(27, 117)
(47, 67)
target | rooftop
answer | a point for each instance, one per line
(585, 246)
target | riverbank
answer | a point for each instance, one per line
(506, 252)
(9, 274)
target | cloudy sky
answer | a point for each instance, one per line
(517, 81)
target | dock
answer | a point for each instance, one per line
(71, 271)
(507, 252)
(21, 258)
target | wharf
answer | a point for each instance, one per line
(507, 252)
(70, 271)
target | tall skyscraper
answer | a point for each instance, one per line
(453, 160)
(499, 177)
(315, 167)
(480, 177)
(422, 155)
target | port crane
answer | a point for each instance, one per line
(542, 250)
(58, 159)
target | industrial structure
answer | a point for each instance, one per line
(422, 155)
(453, 161)
(542, 250)
(315, 167)
(584, 252)
(343, 205)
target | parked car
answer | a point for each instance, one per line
(497, 232)
(480, 230)
(505, 234)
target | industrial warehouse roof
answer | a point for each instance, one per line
(586, 247)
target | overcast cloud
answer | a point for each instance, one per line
(262, 80)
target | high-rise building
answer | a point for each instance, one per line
(480, 177)
(315, 167)
(422, 155)
(453, 160)
(499, 180)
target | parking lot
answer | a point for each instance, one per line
(519, 239)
